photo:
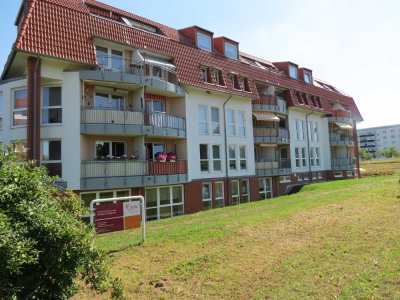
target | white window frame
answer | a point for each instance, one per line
(299, 177)
(97, 193)
(110, 56)
(308, 77)
(42, 147)
(312, 151)
(203, 46)
(204, 159)
(207, 202)
(203, 122)
(293, 72)
(242, 159)
(204, 74)
(215, 124)
(264, 193)
(214, 159)
(306, 177)
(245, 195)
(230, 124)
(320, 176)
(231, 51)
(219, 200)
(349, 173)
(338, 174)
(15, 110)
(219, 77)
(232, 159)
(51, 107)
(241, 120)
(235, 196)
(315, 133)
(110, 147)
(303, 157)
(297, 157)
(317, 157)
(285, 179)
(171, 202)
(310, 135)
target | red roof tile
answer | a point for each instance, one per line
(66, 30)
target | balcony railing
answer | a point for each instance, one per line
(341, 139)
(129, 168)
(140, 68)
(342, 163)
(161, 119)
(271, 134)
(270, 103)
(273, 167)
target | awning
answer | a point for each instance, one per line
(344, 125)
(159, 62)
(265, 116)
(269, 145)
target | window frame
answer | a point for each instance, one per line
(232, 159)
(110, 148)
(203, 122)
(242, 159)
(297, 157)
(235, 196)
(219, 199)
(45, 162)
(207, 202)
(245, 183)
(233, 48)
(219, 77)
(48, 108)
(200, 34)
(214, 160)
(16, 110)
(171, 203)
(231, 124)
(303, 157)
(241, 125)
(308, 77)
(291, 69)
(207, 159)
(264, 189)
(215, 123)
(284, 179)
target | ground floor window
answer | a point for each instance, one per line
(164, 202)
(219, 194)
(283, 179)
(320, 176)
(206, 195)
(245, 191)
(338, 174)
(265, 188)
(349, 174)
(235, 192)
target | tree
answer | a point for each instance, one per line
(390, 153)
(45, 250)
(363, 154)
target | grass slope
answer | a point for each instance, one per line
(332, 240)
(379, 167)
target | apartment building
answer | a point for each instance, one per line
(115, 104)
(376, 139)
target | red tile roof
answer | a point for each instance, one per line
(66, 30)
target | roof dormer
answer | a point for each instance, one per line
(306, 75)
(201, 37)
(289, 68)
(227, 47)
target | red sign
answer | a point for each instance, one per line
(109, 225)
(108, 211)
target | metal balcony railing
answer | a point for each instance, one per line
(273, 167)
(271, 103)
(272, 133)
(341, 139)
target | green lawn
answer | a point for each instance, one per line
(332, 240)
(379, 167)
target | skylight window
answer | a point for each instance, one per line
(139, 25)
(204, 42)
(231, 51)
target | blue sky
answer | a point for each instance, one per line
(353, 44)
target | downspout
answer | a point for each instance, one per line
(308, 148)
(34, 144)
(226, 147)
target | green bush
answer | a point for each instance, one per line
(46, 252)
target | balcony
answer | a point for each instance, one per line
(271, 135)
(340, 164)
(339, 139)
(124, 173)
(273, 167)
(270, 103)
(125, 70)
(341, 116)
(131, 122)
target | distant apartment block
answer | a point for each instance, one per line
(376, 139)
(115, 104)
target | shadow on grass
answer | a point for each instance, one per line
(125, 248)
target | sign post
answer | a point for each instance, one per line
(121, 214)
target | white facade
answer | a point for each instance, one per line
(377, 139)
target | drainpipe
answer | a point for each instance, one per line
(308, 148)
(34, 144)
(226, 147)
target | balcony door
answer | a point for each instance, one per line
(153, 148)
(111, 102)
(265, 188)
(156, 113)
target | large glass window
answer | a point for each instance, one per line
(153, 148)
(105, 101)
(235, 192)
(155, 106)
(232, 157)
(203, 120)
(215, 126)
(204, 164)
(102, 56)
(20, 108)
(51, 157)
(204, 41)
(303, 157)
(105, 149)
(216, 157)
(242, 157)
(245, 191)
(293, 71)
(312, 156)
(219, 194)
(317, 157)
(265, 188)
(241, 124)
(206, 195)
(51, 105)
(164, 202)
(116, 60)
(230, 120)
(231, 51)
(297, 156)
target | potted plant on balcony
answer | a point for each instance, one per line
(161, 156)
(171, 156)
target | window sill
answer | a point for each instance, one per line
(51, 124)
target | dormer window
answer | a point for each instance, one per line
(308, 77)
(205, 74)
(235, 81)
(293, 72)
(204, 41)
(219, 78)
(245, 84)
(231, 51)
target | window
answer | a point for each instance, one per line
(204, 42)
(293, 71)
(203, 120)
(205, 74)
(241, 124)
(216, 157)
(232, 157)
(51, 157)
(231, 51)
(20, 108)
(164, 202)
(204, 164)
(349, 174)
(152, 149)
(308, 77)
(245, 191)
(314, 176)
(338, 174)
(314, 131)
(317, 157)
(230, 120)
(242, 157)
(245, 84)
(219, 78)
(299, 177)
(297, 156)
(20, 149)
(206, 196)
(309, 130)
(235, 81)
(219, 194)
(265, 188)
(284, 179)
(305, 176)
(320, 176)
(116, 60)
(235, 192)
(102, 56)
(155, 105)
(215, 126)
(300, 126)
(110, 59)
(106, 149)
(303, 157)
(312, 156)
(106, 101)
(51, 105)
(1, 110)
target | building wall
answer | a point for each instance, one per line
(382, 137)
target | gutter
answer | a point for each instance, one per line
(226, 147)
(308, 148)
